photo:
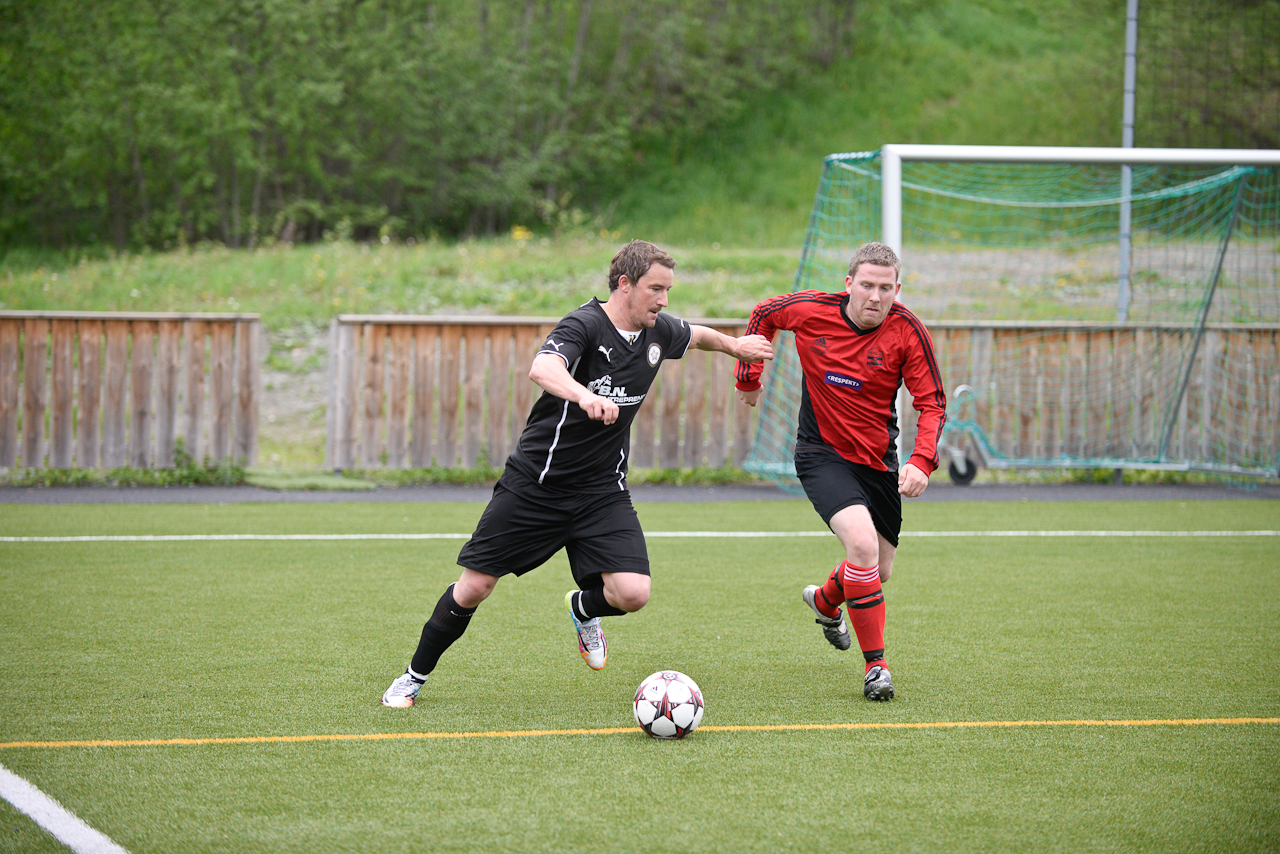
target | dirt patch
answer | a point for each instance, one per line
(295, 392)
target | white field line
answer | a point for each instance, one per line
(56, 819)
(169, 538)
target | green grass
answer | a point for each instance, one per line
(299, 288)
(976, 72)
(230, 639)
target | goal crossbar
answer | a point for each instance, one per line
(892, 156)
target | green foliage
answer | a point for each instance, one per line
(483, 473)
(166, 124)
(185, 472)
(1208, 74)
(155, 124)
(981, 72)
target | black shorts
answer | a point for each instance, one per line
(833, 483)
(526, 523)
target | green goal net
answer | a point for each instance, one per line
(1068, 346)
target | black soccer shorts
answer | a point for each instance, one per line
(526, 523)
(833, 483)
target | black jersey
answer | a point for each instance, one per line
(561, 447)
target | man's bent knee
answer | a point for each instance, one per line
(857, 533)
(626, 591)
(473, 588)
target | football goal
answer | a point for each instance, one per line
(1107, 308)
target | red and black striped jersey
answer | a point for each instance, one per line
(850, 377)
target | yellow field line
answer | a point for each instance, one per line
(385, 736)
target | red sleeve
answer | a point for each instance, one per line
(766, 319)
(923, 379)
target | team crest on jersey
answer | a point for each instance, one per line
(875, 358)
(820, 345)
(654, 354)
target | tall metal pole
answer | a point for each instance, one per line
(1126, 171)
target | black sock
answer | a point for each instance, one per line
(591, 603)
(447, 623)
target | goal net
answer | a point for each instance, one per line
(1090, 314)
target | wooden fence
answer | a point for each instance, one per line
(449, 391)
(107, 389)
(1054, 390)
(418, 392)
(111, 389)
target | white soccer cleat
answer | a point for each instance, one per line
(833, 628)
(402, 692)
(591, 643)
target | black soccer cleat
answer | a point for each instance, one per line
(877, 685)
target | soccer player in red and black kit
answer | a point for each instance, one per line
(855, 349)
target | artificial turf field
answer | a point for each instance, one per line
(238, 647)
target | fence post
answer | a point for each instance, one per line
(10, 332)
(35, 333)
(90, 397)
(62, 416)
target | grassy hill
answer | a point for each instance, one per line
(989, 72)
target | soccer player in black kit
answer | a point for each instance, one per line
(565, 484)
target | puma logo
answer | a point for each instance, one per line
(606, 351)
(554, 344)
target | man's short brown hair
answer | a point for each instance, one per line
(875, 253)
(634, 260)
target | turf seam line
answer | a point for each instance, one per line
(53, 817)
(165, 538)
(390, 736)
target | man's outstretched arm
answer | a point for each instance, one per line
(748, 348)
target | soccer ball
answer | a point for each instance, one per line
(668, 705)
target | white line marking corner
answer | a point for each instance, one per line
(56, 819)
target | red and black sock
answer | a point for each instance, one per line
(865, 600)
(830, 596)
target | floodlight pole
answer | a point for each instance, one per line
(1126, 171)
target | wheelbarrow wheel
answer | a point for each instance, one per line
(965, 476)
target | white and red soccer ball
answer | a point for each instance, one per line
(668, 705)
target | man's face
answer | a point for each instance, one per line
(646, 298)
(872, 289)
